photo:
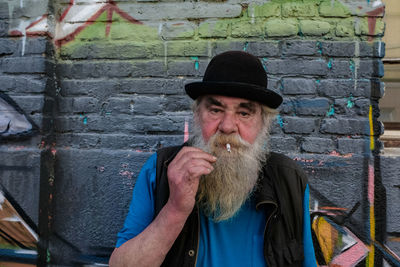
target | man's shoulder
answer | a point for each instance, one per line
(279, 160)
(166, 154)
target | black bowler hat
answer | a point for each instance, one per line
(236, 74)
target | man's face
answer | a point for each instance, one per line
(222, 120)
(229, 115)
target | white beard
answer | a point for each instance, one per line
(222, 192)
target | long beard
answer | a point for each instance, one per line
(222, 192)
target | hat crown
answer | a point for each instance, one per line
(236, 67)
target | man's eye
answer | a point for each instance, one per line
(215, 110)
(244, 114)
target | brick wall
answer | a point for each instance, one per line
(117, 89)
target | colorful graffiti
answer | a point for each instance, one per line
(340, 239)
(74, 19)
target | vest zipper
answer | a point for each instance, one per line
(267, 222)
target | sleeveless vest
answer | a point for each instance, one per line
(280, 192)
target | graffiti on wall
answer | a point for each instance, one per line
(338, 240)
(14, 123)
(77, 16)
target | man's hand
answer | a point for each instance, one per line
(150, 246)
(184, 173)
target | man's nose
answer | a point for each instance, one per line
(228, 124)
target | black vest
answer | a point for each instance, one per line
(280, 192)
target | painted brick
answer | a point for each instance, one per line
(335, 87)
(390, 172)
(177, 30)
(111, 69)
(338, 49)
(276, 126)
(77, 104)
(350, 145)
(274, 83)
(112, 50)
(345, 126)
(298, 125)
(246, 28)
(362, 27)
(340, 68)
(314, 27)
(370, 68)
(4, 26)
(4, 12)
(298, 86)
(345, 106)
(101, 88)
(122, 123)
(152, 68)
(297, 66)
(152, 86)
(283, 144)
(264, 49)
(188, 48)
(219, 47)
(299, 48)
(30, 104)
(298, 9)
(281, 27)
(85, 104)
(362, 106)
(313, 106)
(135, 105)
(7, 46)
(318, 145)
(178, 103)
(333, 9)
(192, 67)
(23, 65)
(345, 28)
(214, 29)
(287, 106)
(23, 84)
(269, 9)
(375, 49)
(28, 9)
(169, 11)
(118, 141)
(37, 45)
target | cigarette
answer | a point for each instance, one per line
(228, 147)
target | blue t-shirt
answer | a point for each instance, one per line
(234, 242)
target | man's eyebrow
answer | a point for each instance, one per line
(251, 106)
(210, 101)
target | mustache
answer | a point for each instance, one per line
(219, 142)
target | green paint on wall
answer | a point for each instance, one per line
(217, 28)
(329, 8)
(120, 28)
(314, 27)
(248, 28)
(299, 9)
(269, 9)
(362, 27)
(281, 27)
(345, 28)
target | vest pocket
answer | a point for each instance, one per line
(293, 252)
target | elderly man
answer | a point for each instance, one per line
(222, 199)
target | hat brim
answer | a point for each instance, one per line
(235, 89)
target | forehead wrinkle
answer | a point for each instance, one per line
(210, 101)
(251, 106)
